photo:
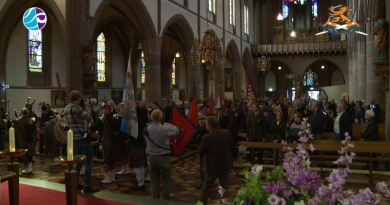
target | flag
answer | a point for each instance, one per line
(211, 105)
(193, 115)
(249, 88)
(189, 129)
(221, 101)
(129, 117)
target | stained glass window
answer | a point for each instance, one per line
(314, 8)
(35, 51)
(101, 58)
(174, 71)
(285, 10)
(310, 78)
(231, 12)
(142, 68)
(211, 5)
(246, 18)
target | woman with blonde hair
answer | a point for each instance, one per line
(290, 116)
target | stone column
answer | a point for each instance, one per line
(361, 68)
(206, 80)
(355, 76)
(166, 78)
(219, 79)
(237, 81)
(75, 39)
(350, 76)
(152, 54)
(193, 78)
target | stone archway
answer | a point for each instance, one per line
(282, 84)
(10, 16)
(233, 54)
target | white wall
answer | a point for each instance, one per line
(270, 81)
(152, 7)
(62, 6)
(337, 78)
(335, 91)
(16, 66)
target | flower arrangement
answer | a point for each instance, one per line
(296, 184)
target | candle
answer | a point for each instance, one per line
(11, 139)
(70, 145)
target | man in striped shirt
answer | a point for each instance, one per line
(81, 146)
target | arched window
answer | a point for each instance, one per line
(231, 12)
(246, 17)
(211, 5)
(101, 58)
(174, 69)
(142, 68)
(310, 78)
(285, 10)
(35, 51)
(314, 8)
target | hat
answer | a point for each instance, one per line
(202, 117)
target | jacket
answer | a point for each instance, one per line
(370, 131)
(345, 124)
(216, 149)
(329, 122)
(235, 118)
(223, 122)
(278, 132)
(256, 127)
(316, 121)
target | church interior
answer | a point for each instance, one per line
(191, 59)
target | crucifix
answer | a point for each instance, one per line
(298, 83)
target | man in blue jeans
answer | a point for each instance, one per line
(76, 117)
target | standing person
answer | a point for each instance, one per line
(342, 123)
(158, 150)
(46, 115)
(167, 110)
(330, 117)
(99, 113)
(278, 133)
(155, 105)
(370, 131)
(235, 118)
(295, 128)
(121, 139)
(375, 107)
(185, 109)
(316, 120)
(359, 113)
(76, 117)
(111, 103)
(105, 125)
(244, 111)
(202, 131)
(217, 160)
(223, 120)
(256, 130)
(291, 111)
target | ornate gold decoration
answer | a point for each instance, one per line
(206, 47)
(88, 57)
(263, 64)
(382, 70)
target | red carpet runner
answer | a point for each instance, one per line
(32, 195)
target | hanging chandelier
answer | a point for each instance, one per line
(205, 47)
(263, 64)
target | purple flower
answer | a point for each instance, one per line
(273, 200)
(311, 148)
(221, 191)
(275, 188)
(215, 202)
(226, 201)
(305, 119)
(303, 139)
(381, 186)
(284, 143)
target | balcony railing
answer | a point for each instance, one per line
(300, 48)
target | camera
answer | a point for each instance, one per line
(92, 102)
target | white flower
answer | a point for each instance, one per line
(299, 203)
(257, 169)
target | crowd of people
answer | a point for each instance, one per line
(264, 120)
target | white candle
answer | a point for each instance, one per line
(70, 145)
(11, 139)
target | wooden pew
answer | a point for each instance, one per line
(13, 185)
(328, 145)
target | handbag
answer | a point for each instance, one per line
(87, 135)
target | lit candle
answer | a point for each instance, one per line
(70, 145)
(11, 139)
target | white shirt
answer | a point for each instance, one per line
(336, 125)
(186, 111)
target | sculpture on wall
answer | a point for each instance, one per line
(381, 38)
(88, 57)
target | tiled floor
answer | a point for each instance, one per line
(185, 178)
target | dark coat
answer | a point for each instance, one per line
(256, 127)
(345, 124)
(316, 121)
(329, 122)
(278, 132)
(235, 118)
(223, 122)
(167, 112)
(370, 131)
(216, 149)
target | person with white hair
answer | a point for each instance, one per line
(370, 131)
(111, 103)
(342, 123)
